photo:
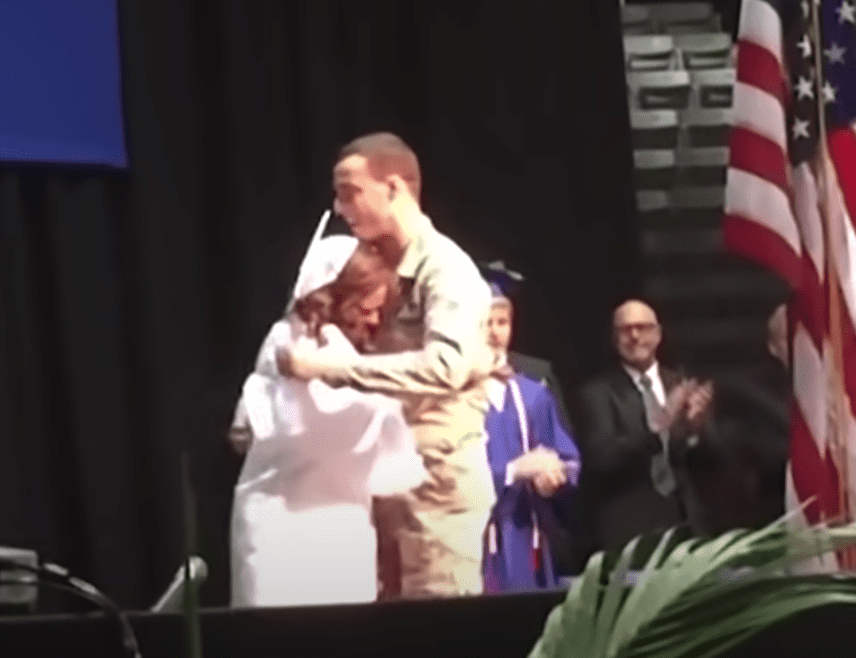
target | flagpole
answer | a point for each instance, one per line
(835, 432)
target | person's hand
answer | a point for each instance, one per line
(548, 483)
(306, 360)
(330, 337)
(542, 467)
(297, 361)
(676, 402)
(572, 471)
(240, 438)
(699, 406)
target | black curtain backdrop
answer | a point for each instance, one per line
(132, 304)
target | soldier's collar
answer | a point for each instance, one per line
(415, 249)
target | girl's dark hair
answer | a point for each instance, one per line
(316, 308)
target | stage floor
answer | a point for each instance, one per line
(490, 626)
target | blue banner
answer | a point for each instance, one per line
(60, 83)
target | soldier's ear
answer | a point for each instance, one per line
(397, 186)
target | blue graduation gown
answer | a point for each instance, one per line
(511, 563)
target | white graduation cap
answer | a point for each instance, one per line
(325, 258)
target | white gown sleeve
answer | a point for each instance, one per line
(267, 396)
(278, 336)
(241, 419)
(258, 393)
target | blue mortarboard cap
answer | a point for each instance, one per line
(502, 281)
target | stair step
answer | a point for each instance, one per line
(680, 207)
(707, 218)
(700, 308)
(713, 305)
(684, 197)
(681, 241)
(711, 331)
(697, 264)
(717, 285)
(715, 359)
(745, 372)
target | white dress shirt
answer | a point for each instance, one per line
(657, 389)
(653, 373)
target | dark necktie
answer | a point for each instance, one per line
(661, 471)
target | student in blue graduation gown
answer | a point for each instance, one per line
(534, 462)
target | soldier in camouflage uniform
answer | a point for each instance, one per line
(435, 358)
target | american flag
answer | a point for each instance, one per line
(791, 206)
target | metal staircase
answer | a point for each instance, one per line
(680, 77)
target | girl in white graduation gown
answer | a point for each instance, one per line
(301, 523)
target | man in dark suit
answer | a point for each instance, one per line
(753, 416)
(647, 459)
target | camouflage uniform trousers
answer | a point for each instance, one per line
(431, 539)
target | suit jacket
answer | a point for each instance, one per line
(753, 419)
(617, 448)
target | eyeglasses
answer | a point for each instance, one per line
(640, 327)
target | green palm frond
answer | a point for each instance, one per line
(684, 602)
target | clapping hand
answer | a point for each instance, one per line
(547, 484)
(676, 402)
(543, 468)
(699, 405)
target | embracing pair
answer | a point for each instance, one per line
(372, 385)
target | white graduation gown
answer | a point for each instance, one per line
(301, 520)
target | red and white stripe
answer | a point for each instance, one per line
(773, 216)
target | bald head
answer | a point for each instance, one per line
(633, 310)
(777, 334)
(637, 334)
